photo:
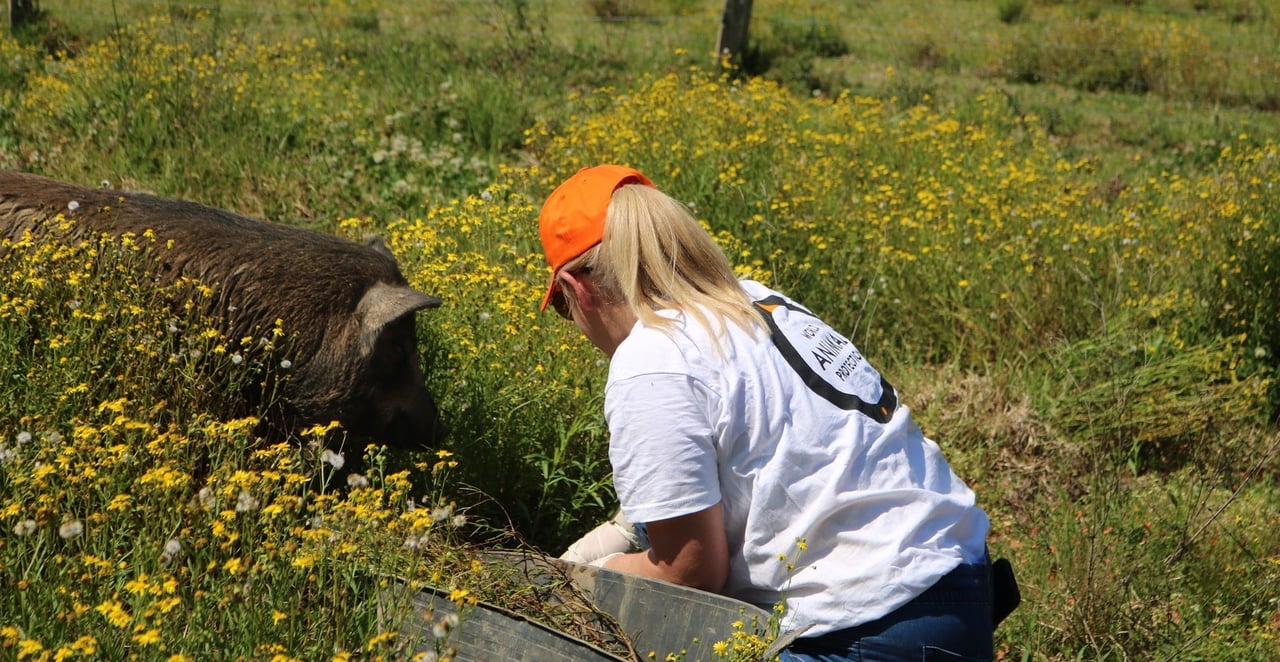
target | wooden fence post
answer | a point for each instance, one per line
(733, 29)
(20, 13)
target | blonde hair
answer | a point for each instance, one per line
(655, 255)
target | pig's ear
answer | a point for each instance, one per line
(385, 303)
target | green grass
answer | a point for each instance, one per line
(1057, 235)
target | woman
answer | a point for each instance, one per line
(764, 457)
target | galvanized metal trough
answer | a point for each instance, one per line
(654, 618)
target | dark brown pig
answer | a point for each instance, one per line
(348, 309)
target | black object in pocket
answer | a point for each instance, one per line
(1005, 586)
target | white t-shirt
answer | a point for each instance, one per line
(800, 438)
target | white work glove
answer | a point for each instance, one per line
(599, 563)
(616, 536)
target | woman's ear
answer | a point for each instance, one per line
(584, 295)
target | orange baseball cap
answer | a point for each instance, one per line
(572, 218)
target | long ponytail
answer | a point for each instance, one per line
(656, 255)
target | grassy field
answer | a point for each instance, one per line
(1053, 225)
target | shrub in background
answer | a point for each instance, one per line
(1011, 11)
(1119, 52)
(786, 49)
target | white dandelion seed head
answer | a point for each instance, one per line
(54, 437)
(357, 481)
(24, 437)
(71, 529)
(25, 528)
(7, 455)
(484, 317)
(207, 498)
(74, 304)
(439, 630)
(336, 460)
(441, 513)
(286, 364)
(236, 359)
(411, 543)
(458, 521)
(486, 196)
(246, 502)
(73, 205)
(172, 549)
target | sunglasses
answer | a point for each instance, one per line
(561, 304)
(558, 300)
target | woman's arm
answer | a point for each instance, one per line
(690, 550)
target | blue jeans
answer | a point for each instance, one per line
(949, 622)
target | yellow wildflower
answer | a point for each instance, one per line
(114, 612)
(147, 638)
